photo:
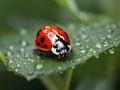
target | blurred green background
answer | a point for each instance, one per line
(94, 74)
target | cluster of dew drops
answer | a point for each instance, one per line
(103, 41)
(16, 64)
(14, 59)
(84, 51)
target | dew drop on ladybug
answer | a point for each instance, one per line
(53, 39)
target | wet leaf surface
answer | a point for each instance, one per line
(88, 40)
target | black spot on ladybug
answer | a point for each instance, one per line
(42, 39)
(38, 32)
(45, 46)
(59, 28)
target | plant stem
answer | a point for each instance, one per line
(112, 7)
(54, 83)
(2, 58)
(48, 82)
(68, 79)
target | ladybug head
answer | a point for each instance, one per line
(61, 47)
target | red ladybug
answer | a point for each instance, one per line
(53, 39)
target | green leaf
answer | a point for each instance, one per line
(88, 40)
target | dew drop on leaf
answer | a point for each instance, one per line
(11, 47)
(26, 66)
(111, 51)
(32, 60)
(73, 67)
(117, 41)
(26, 54)
(18, 56)
(83, 51)
(10, 61)
(98, 45)
(105, 44)
(18, 65)
(24, 43)
(79, 59)
(102, 37)
(22, 49)
(29, 59)
(109, 36)
(77, 43)
(59, 68)
(39, 66)
(23, 32)
(96, 56)
(61, 72)
(109, 30)
(9, 53)
(16, 70)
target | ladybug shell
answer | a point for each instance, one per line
(45, 38)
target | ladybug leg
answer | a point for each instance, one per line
(38, 52)
(58, 57)
(43, 55)
(71, 52)
(35, 51)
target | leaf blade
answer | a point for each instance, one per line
(88, 40)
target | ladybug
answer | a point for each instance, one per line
(53, 39)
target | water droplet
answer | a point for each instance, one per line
(29, 59)
(18, 65)
(9, 53)
(26, 66)
(83, 51)
(18, 56)
(22, 50)
(30, 72)
(105, 44)
(83, 36)
(32, 60)
(39, 66)
(10, 61)
(87, 40)
(11, 47)
(98, 45)
(109, 36)
(96, 56)
(77, 40)
(38, 57)
(59, 68)
(73, 67)
(16, 70)
(116, 42)
(102, 37)
(61, 72)
(24, 63)
(110, 30)
(111, 51)
(23, 43)
(77, 44)
(79, 59)
(70, 61)
(26, 54)
(23, 32)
